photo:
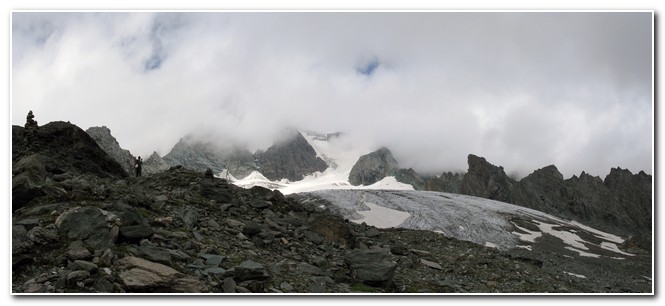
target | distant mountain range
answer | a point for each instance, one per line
(82, 224)
(307, 161)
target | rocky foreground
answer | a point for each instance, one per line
(82, 225)
(179, 231)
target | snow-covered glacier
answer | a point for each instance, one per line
(482, 221)
(389, 203)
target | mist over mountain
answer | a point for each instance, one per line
(523, 89)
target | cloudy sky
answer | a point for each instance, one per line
(524, 90)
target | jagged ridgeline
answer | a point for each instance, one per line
(620, 204)
(82, 224)
(290, 157)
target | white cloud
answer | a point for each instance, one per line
(525, 90)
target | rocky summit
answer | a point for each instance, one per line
(81, 224)
(290, 157)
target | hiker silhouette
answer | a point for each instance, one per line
(137, 166)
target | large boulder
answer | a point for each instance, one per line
(29, 174)
(371, 266)
(140, 275)
(89, 224)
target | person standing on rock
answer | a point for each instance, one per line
(137, 166)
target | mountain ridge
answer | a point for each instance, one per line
(90, 227)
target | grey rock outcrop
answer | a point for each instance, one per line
(154, 164)
(200, 155)
(446, 182)
(487, 181)
(102, 135)
(620, 204)
(373, 167)
(291, 157)
(108, 143)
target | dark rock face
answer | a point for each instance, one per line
(291, 158)
(620, 204)
(446, 182)
(108, 143)
(487, 181)
(68, 148)
(634, 191)
(373, 167)
(53, 150)
(409, 176)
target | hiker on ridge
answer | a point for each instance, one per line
(137, 166)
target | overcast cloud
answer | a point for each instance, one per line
(524, 90)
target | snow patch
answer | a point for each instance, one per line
(582, 253)
(599, 234)
(226, 175)
(573, 274)
(490, 245)
(530, 236)
(382, 217)
(613, 247)
(565, 236)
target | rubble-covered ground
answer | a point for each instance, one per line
(185, 232)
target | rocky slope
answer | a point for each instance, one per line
(43, 154)
(560, 246)
(96, 230)
(182, 232)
